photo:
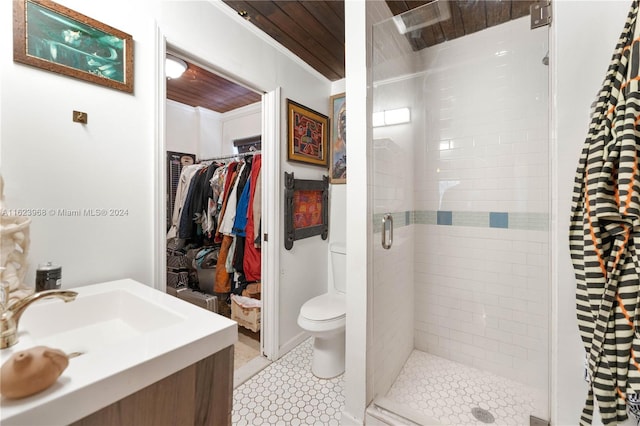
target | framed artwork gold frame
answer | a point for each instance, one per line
(55, 38)
(307, 135)
(338, 140)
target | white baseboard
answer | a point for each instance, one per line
(292, 343)
(249, 370)
(348, 420)
(392, 413)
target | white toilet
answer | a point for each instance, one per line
(324, 317)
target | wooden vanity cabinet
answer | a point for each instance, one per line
(200, 394)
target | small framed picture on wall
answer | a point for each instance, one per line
(338, 140)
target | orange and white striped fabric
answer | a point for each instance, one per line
(605, 236)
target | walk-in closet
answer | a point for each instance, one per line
(214, 193)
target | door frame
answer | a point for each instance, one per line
(271, 114)
(271, 213)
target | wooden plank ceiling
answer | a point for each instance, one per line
(467, 17)
(314, 31)
(200, 88)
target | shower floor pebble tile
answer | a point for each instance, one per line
(447, 391)
(287, 393)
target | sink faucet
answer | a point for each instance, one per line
(11, 312)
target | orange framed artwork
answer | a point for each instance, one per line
(306, 208)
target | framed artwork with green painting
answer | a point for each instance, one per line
(52, 37)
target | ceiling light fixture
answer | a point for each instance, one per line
(174, 67)
(423, 16)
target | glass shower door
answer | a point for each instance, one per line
(460, 178)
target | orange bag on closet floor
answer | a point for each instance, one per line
(223, 282)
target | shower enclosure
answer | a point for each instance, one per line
(460, 205)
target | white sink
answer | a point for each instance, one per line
(130, 336)
(94, 321)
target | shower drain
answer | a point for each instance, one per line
(482, 415)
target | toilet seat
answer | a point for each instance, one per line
(324, 313)
(326, 307)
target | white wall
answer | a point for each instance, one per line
(358, 390)
(209, 130)
(240, 123)
(50, 163)
(110, 162)
(579, 73)
(182, 128)
(208, 133)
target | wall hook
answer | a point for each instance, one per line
(80, 117)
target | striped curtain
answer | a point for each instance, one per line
(605, 237)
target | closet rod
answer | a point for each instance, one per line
(226, 157)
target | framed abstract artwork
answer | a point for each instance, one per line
(338, 140)
(52, 37)
(307, 135)
(306, 208)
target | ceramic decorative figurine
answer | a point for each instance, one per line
(15, 241)
(31, 371)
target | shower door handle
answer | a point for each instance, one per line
(387, 231)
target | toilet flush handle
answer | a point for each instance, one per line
(387, 231)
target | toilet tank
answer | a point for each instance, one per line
(339, 266)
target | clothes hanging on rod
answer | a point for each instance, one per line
(214, 203)
(181, 194)
(252, 265)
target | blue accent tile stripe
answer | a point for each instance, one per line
(528, 221)
(400, 219)
(424, 217)
(498, 220)
(475, 219)
(444, 217)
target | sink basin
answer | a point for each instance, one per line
(94, 321)
(129, 336)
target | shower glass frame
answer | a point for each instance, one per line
(466, 183)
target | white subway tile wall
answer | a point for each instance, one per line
(393, 176)
(490, 284)
(477, 242)
(393, 308)
(485, 123)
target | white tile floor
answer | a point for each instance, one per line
(286, 393)
(447, 391)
